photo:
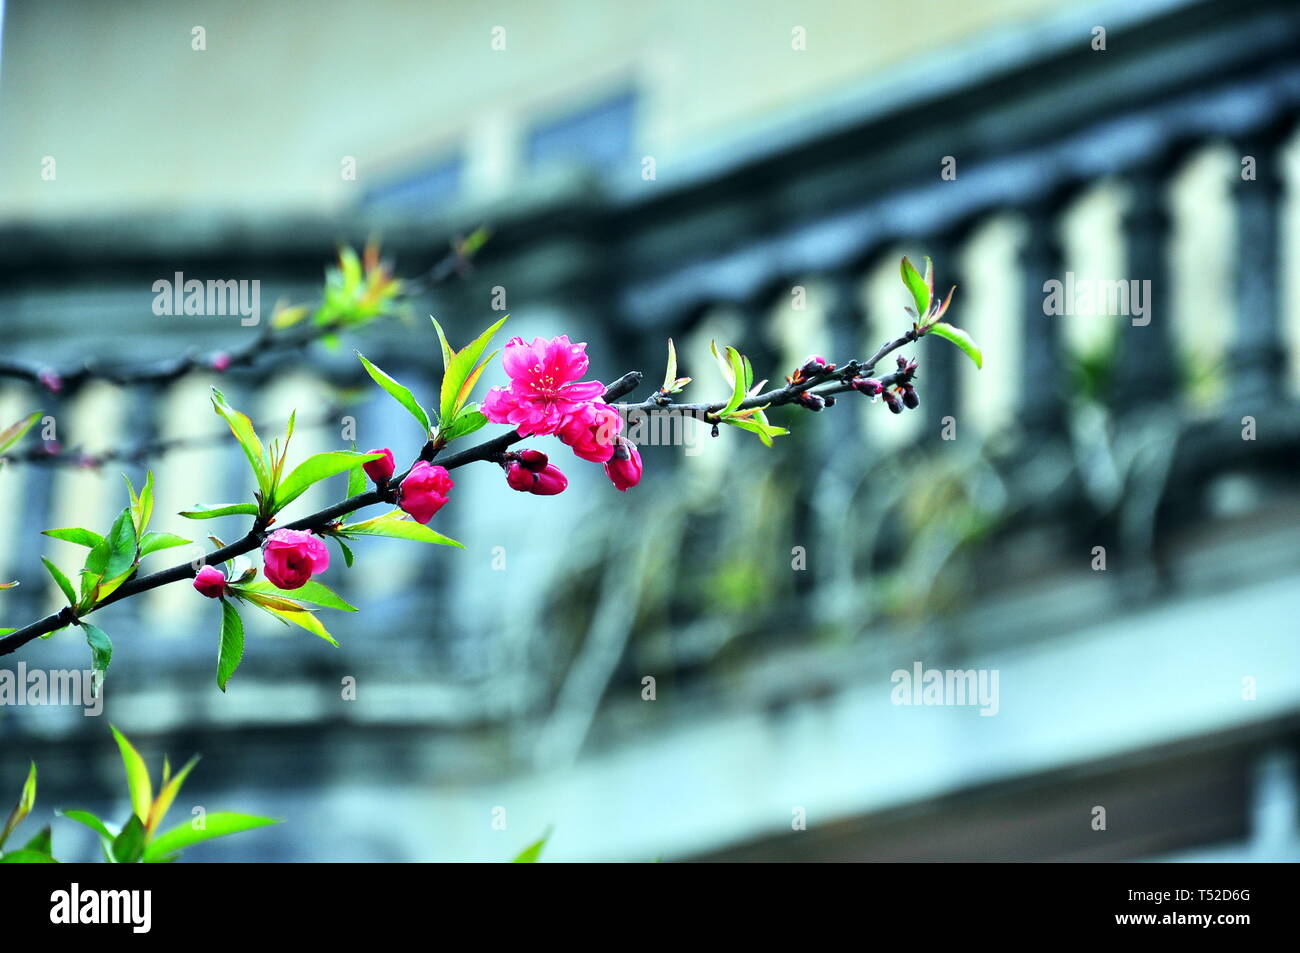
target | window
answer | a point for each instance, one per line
(420, 190)
(597, 137)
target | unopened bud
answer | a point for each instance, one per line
(520, 478)
(909, 397)
(533, 460)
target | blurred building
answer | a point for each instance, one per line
(1104, 517)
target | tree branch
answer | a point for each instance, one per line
(265, 342)
(830, 383)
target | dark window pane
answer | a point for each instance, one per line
(598, 136)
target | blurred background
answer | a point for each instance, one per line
(745, 172)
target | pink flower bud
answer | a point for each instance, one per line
(533, 460)
(221, 362)
(51, 380)
(210, 582)
(520, 478)
(382, 468)
(624, 467)
(549, 482)
(591, 431)
(868, 386)
(814, 364)
(290, 557)
(425, 491)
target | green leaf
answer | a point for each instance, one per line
(208, 511)
(42, 843)
(343, 547)
(101, 646)
(137, 776)
(397, 527)
(14, 432)
(142, 505)
(61, 581)
(467, 421)
(111, 562)
(82, 537)
(232, 644)
(26, 799)
(764, 430)
(27, 857)
(311, 591)
(248, 439)
(670, 375)
(531, 853)
(397, 392)
(317, 468)
(462, 369)
(171, 787)
(356, 481)
(129, 845)
(960, 338)
(121, 546)
(739, 380)
(89, 820)
(290, 612)
(153, 542)
(916, 284)
(218, 824)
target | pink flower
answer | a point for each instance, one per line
(290, 557)
(424, 491)
(591, 431)
(544, 386)
(210, 582)
(624, 467)
(380, 469)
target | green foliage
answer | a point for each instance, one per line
(398, 392)
(397, 526)
(960, 338)
(312, 592)
(316, 468)
(231, 651)
(460, 372)
(672, 383)
(921, 288)
(208, 511)
(533, 852)
(739, 375)
(26, 799)
(248, 441)
(137, 840)
(14, 432)
(101, 647)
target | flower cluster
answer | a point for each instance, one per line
(903, 393)
(545, 397)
